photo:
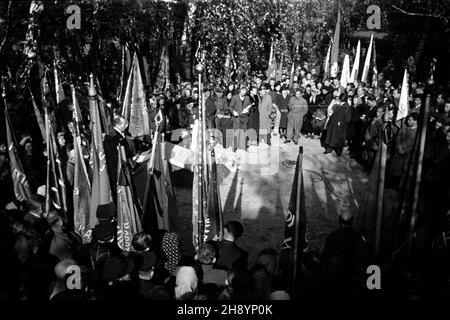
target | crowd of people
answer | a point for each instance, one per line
(39, 249)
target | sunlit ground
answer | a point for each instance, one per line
(258, 193)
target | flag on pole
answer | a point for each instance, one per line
(101, 191)
(295, 240)
(372, 204)
(81, 183)
(374, 67)
(367, 62)
(403, 105)
(406, 204)
(134, 107)
(272, 65)
(345, 74)
(58, 87)
(327, 63)
(335, 49)
(128, 221)
(214, 215)
(20, 181)
(355, 69)
(279, 71)
(163, 79)
(54, 183)
(291, 78)
(39, 118)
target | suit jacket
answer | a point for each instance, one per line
(229, 253)
(110, 144)
(239, 105)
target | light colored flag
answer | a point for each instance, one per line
(345, 74)
(81, 183)
(128, 221)
(58, 87)
(403, 108)
(134, 107)
(355, 69)
(327, 62)
(335, 47)
(101, 190)
(367, 62)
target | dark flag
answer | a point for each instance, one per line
(214, 215)
(406, 207)
(295, 241)
(372, 205)
(20, 181)
(155, 192)
(55, 186)
(39, 118)
(128, 221)
(81, 183)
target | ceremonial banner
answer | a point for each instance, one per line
(101, 191)
(374, 67)
(355, 69)
(128, 221)
(214, 215)
(39, 118)
(367, 62)
(295, 240)
(345, 74)
(163, 79)
(335, 49)
(81, 183)
(134, 107)
(327, 63)
(403, 105)
(20, 181)
(58, 87)
(272, 65)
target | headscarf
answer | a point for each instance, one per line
(171, 251)
(186, 281)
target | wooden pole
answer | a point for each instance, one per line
(418, 174)
(297, 215)
(380, 190)
(380, 196)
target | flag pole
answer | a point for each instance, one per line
(380, 193)
(199, 69)
(297, 216)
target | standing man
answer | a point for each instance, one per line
(111, 144)
(337, 126)
(253, 117)
(298, 107)
(239, 108)
(283, 106)
(265, 108)
(223, 117)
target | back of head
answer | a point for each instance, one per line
(206, 254)
(268, 259)
(141, 241)
(62, 268)
(346, 218)
(235, 228)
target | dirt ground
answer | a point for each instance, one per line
(257, 193)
